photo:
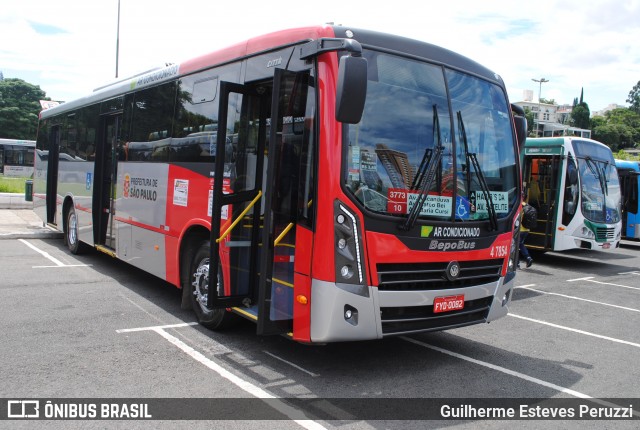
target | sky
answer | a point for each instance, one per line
(68, 47)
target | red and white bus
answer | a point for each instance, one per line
(328, 183)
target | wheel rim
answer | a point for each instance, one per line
(201, 284)
(72, 233)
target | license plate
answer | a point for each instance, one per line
(606, 245)
(448, 304)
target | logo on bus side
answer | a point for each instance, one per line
(140, 188)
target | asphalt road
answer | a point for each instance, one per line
(86, 327)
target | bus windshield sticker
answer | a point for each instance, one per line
(500, 201)
(400, 201)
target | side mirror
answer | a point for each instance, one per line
(351, 91)
(569, 207)
(520, 123)
(573, 177)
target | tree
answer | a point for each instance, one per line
(19, 108)
(618, 129)
(615, 136)
(634, 98)
(547, 101)
(528, 114)
(580, 116)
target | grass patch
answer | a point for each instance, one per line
(12, 185)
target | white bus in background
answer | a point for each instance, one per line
(16, 157)
(573, 183)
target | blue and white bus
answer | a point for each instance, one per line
(629, 174)
(573, 183)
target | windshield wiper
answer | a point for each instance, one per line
(425, 175)
(472, 159)
(598, 173)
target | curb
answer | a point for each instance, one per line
(34, 235)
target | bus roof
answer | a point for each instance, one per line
(557, 141)
(17, 142)
(272, 41)
(628, 164)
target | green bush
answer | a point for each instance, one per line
(12, 185)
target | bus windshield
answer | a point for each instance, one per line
(600, 189)
(435, 136)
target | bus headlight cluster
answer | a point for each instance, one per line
(348, 252)
(515, 242)
(584, 232)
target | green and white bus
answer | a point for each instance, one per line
(573, 183)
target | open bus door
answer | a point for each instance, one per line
(105, 177)
(542, 179)
(629, 191)
(255, 200)
(52, 173)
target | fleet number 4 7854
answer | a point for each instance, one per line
(498, 251)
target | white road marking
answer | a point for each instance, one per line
(55, 261)
(500, 369)
(580, 279)
(291, 364)
(236, 380)
(581, 299)
(614, 285)
(513, 373)
(154, 328)
(612, 339)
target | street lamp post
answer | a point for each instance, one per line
(118, 40)
(541, 81)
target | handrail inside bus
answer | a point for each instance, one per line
(283, 234)
(244, 212)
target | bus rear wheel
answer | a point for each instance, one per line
(71, 230)
(214, 319)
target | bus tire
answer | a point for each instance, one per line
(214, 319)
(71, 230)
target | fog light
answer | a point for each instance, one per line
(340, 218)
(348, 314)
(505, 299)
(346, 272)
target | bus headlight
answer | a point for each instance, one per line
(584, 232)
(348, 251)
(515, 242)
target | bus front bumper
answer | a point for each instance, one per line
(341, 312)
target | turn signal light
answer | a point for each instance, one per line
(302, 299)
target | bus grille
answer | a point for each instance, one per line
(403, 320)
(604, 233)
(431, 276)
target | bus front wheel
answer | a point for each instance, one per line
(214, 319)
(71, 231)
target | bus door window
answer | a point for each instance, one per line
(571, 191)
(105, 180)
(291, 191)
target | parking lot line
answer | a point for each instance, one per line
(612, 339)
(153, 328)
(581, 299)
(57, 262)
(292, 364)
(609, 283)
(510, 372)
(236, 380)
